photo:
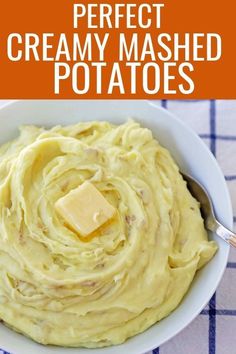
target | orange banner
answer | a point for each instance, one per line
(87, 49)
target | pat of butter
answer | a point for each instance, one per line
(85, 209)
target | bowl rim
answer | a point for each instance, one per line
(190, 131)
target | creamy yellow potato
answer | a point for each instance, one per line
(57, 288)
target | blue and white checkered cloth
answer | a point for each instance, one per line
(214, 330)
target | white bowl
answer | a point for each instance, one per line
(192, 156)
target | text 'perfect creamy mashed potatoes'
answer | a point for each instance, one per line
(58, 288)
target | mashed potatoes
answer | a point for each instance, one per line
(57, 288)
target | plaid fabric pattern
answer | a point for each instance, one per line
(213, 331)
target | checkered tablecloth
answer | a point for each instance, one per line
(214, 330)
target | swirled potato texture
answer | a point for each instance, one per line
(61, 289)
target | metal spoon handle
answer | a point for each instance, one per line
(223, 232)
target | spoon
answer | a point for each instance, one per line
(211, 223)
